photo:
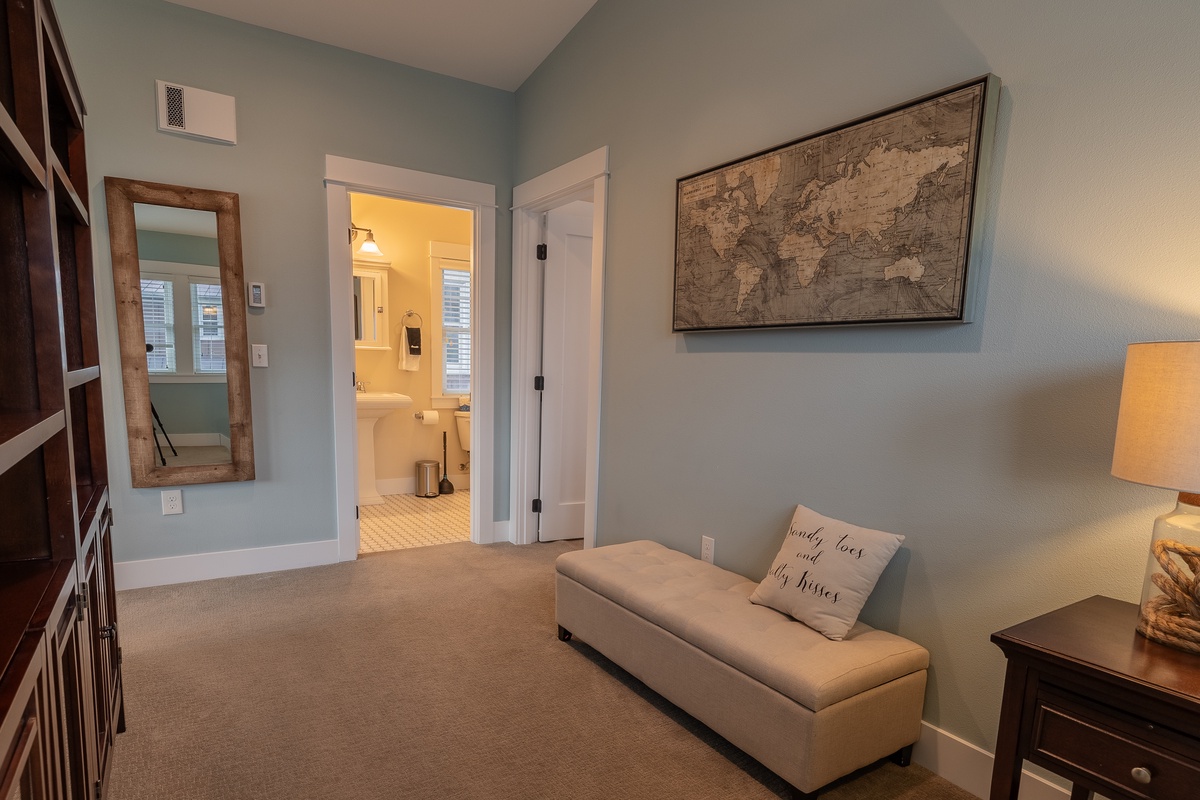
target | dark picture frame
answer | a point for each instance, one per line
(869, 222)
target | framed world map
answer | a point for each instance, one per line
(869, 222)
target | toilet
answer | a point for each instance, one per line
(463, 420)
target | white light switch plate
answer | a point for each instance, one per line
(258, 355)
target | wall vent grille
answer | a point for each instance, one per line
(175, 107)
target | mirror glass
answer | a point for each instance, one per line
(370, 307)
(177, 274)
(184, 319)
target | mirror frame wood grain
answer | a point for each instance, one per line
(121, 195)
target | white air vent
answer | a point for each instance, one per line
(195, 112)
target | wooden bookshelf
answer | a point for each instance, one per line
(61, 699)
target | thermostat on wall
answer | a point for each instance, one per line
(257, 295)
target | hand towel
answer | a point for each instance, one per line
(410, 349)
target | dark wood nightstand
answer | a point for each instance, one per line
(1089, 699)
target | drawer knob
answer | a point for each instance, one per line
(1141, 774)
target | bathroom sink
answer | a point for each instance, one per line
(380, 404)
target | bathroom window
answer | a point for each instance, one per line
(456, 331)
(185, 323)
(450, 344)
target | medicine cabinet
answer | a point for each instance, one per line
(370, 306)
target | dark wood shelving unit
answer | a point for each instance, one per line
(61, 699)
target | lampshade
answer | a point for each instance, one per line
(1158, 444)
(368, 246)
(1158, 428)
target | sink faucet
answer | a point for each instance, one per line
(361, 386)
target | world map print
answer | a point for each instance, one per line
(867, 223)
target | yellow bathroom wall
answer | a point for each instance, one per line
(403, 231)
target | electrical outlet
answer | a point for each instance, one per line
(706, 548)
(172, 501)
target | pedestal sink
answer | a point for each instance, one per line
(372, 407)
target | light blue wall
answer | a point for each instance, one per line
(179, 248)
(988, 445)
(296, 101)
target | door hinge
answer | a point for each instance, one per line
(120, 656)
(541, 252)
(99, 789)
(356, 512)
(537, 506)
(81, 601)
(539, 383)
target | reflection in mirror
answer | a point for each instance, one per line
(184, 322)
(178, 281)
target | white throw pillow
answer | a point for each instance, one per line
(825, 571)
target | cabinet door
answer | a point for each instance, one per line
(110, 634)
(98, 635)
(23, 774)
(106, 660)
(71, 699)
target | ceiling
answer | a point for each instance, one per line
(497, 43)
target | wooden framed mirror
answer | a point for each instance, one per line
(179, 345)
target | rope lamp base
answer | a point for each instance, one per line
(1173, 617)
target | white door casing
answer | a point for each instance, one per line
(342, 176)
(585, 178)
(566, 301)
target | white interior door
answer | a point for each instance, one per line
(566, 305)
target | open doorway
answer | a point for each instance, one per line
(353, 188)
(412, 339)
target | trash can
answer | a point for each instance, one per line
(427, 479)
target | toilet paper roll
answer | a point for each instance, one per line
(428, 417)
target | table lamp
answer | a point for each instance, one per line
(1158, 444)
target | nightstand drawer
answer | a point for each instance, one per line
(1107, 749)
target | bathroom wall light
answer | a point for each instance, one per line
(368, 246)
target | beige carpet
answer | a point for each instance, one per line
(424, 673)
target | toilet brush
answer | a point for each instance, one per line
(445, 486)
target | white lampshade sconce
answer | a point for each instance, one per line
(1158, 444)
(368, 247)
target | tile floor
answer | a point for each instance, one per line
(405, 520)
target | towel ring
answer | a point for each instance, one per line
(411, 313)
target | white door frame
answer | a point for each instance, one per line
(345, 175)
(585, 178)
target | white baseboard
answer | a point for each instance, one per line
(495, 532)
(396, 485)
(224, 564)
(970, 767)
(461, 481)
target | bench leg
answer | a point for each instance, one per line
(564, 635)
(903, 756)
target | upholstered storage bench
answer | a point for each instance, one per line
(809, 709)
